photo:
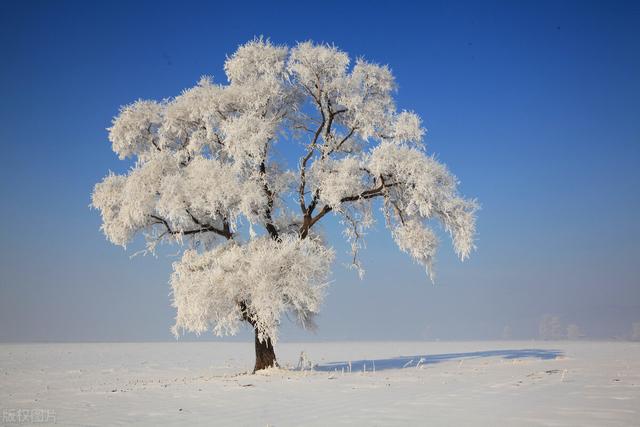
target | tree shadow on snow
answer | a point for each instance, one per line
(428, 359)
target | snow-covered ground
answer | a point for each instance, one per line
(414, 383)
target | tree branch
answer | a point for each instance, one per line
(342, 141)
(224, 232)
(271, 228)
(365, 195)
(305, 159)
(153, 139)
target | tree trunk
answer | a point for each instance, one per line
(265, 355)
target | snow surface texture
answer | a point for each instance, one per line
(457, 384)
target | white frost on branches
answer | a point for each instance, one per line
(134, 133)
(418, 241)
(209, 163)
(257, 282)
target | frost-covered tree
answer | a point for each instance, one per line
(635, 331)
(574, 332)
(550, 328)
(239, 174)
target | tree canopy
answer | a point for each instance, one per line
(210, 175)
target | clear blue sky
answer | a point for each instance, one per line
(535, 107)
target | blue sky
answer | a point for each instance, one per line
(534, 106)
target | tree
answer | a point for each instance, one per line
(574, 332)
(214, 174)
(550, 328)
(635, 331)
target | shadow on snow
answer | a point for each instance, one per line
(427, 359)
